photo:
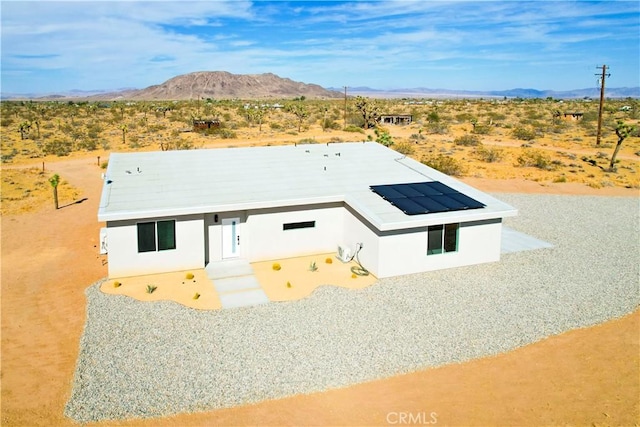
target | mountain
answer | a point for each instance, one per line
(221, 84)
(224, 85)
(421, 92)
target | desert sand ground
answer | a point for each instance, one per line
(49, 257)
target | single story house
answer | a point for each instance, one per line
(179, 210)
(205, 124)
(395, 119)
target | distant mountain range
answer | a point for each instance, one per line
(421, 92)
(224, 85)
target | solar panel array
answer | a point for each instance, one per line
(425, 197)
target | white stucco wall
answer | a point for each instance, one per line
(124, 259)
(357, 231)
(266, 239)
(406, 253)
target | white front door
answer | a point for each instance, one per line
(230, 237)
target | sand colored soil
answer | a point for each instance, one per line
(49, 257)
(302, 281)
(176, 286)
(293, 280)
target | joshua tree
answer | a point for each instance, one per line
(623, 130)
(54, 181)
(124, 128)
(300, 111)
(369, 110)
(24, 129)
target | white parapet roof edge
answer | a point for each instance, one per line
(174, 183)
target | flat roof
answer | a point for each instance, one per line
(172, 183)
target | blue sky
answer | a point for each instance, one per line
(52, 46)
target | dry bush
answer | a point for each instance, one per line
(467, 140)
(489, 154)
(444, 164)
(536, 159)
(523, 133)
(406, 148)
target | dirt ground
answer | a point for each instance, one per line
(49, 257)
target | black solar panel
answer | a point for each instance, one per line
(425, 197)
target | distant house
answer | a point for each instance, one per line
(395, 119)
(573, 116)
(206, 124)
(179, 210)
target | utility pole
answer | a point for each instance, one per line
(602, 77)
(345, 107)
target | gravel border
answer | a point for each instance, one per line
(141, 360)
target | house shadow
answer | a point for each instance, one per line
(77, 202)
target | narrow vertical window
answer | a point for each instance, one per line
(166, 235)
(146, 237)
(451, 237)
(434, 240)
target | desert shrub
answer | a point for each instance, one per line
(313, 267)
(7, 157)
(352, 128)
(354, 276)
(496, 116)
(87, 144)
(479, 129)
(104, 165)
(151, 288)
(406, 148)
(307, 141)
(196, 296)
(417, 137)
(437, 128)
(464, 117)
(178, 144)
(535, 158)
(117, 284)
(444, 164)
(561, 178)
(467, 140)
(330, 124)
(276, 266)
(275, 126)
(489, 154)
(523, 134)
(383, 137)
(328, 260)
(189, 276)
(288, 284)
(58, 147)
(6, 121)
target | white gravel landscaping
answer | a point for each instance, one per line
(141, 359)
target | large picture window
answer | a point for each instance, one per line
(156, 236)
(442, 238)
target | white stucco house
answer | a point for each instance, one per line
(179, 210)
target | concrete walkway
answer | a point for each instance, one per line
(515, 241)
(235, 283)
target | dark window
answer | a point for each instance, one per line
(166, 235)
(434, 240)
(296, 225)
(146, 237)
(442, 238)
(451, 237)
(165, 232)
